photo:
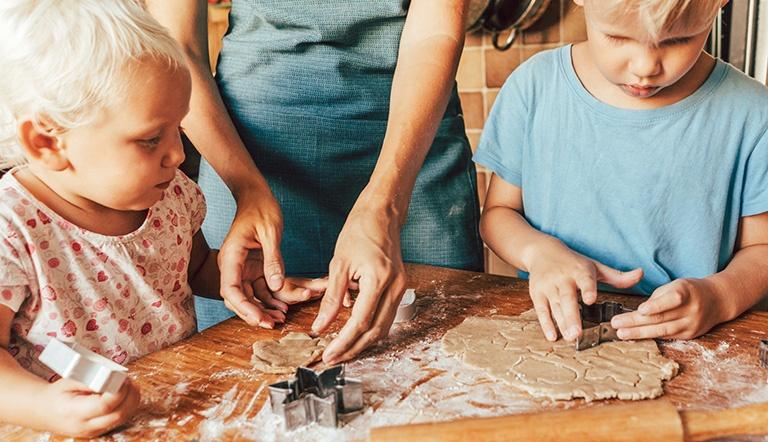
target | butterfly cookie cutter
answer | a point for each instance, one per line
(596, 323)
(324, 397)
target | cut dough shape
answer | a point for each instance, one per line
(284, 355)
(514, 350)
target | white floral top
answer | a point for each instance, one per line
(121, 296)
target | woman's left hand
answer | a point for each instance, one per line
(368, 252)
(681, 309)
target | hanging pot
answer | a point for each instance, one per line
(496, 16)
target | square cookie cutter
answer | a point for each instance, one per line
(309, 397)
(73, 361)
(596, 323)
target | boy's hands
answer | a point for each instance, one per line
(681, 309)
(78, 412)
(556, 276)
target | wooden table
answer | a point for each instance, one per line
(204, 389)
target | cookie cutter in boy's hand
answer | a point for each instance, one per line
(73, 361)
(596, 323)
(312, 397)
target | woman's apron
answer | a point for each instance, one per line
(307, 84)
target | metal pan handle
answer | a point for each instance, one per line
(507, 44)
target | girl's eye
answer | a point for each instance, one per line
(151, 142)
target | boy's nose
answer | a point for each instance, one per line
(646, 64)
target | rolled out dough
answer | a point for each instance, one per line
(514, 350)
(284, 355)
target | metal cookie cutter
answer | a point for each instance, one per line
(763, 352)
(407, 308)
(596, 323)
(73, 361)
(312, 397)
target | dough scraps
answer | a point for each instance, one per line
(291, 351)
(514, 350)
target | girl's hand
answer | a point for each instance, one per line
(73, 410)
(682, 309)
(556, 276)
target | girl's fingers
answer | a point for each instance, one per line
(661, 330)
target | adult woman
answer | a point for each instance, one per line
(338, 103)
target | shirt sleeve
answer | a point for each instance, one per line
(192, 199)
(754, 199)
(503, 139)
(14, 281)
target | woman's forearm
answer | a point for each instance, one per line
(430, 48)
(208, 124)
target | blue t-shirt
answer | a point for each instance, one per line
(662, 189)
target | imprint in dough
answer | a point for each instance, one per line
(291, 351)
(514, 350)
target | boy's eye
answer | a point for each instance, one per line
(615, 38)
(676, 41)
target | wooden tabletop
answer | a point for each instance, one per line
(204, 389)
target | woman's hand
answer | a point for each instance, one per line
(681, 309)
(368, 252)
(253, 240)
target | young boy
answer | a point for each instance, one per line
(636, 160)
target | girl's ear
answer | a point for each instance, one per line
(42, 147)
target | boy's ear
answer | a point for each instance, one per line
(42, 147)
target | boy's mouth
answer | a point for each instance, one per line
(639, 91)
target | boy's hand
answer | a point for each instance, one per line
(74, 410)
(556, 276)
(682, 309)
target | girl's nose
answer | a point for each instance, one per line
(175, 155)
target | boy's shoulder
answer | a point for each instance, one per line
(747, 92)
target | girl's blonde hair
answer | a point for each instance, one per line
(65, 60)
(661, 16)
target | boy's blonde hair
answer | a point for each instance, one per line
(64, 60)
(663, 16)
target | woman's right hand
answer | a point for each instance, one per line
(556, 276)
(71, 409)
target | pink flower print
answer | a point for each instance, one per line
(69, 328)
(165, 317)
(19, 210)
(71, 277)
(157, 304)
(49, 293)
(51, 334)
(7, 294)
(181, 265)
(176, 286)
(91, 325)
(146, 328)
(44, 245)
(177, 190)
(78, 312)
(101, 276)
(120, 358)
(53, 263)
(31, 223)
(171, 328)
(76, 246)
(178, 240)
(43, 217)
(103, 339)
(157, 223)
(100, 305)
(146, 243)
(122, 325)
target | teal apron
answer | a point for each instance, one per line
(307, 84)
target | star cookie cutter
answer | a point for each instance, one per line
(311, 397)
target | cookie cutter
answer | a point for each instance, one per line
(73, 361)
(596, 323)
(763, 346)
(310, 397)
(407, 308)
